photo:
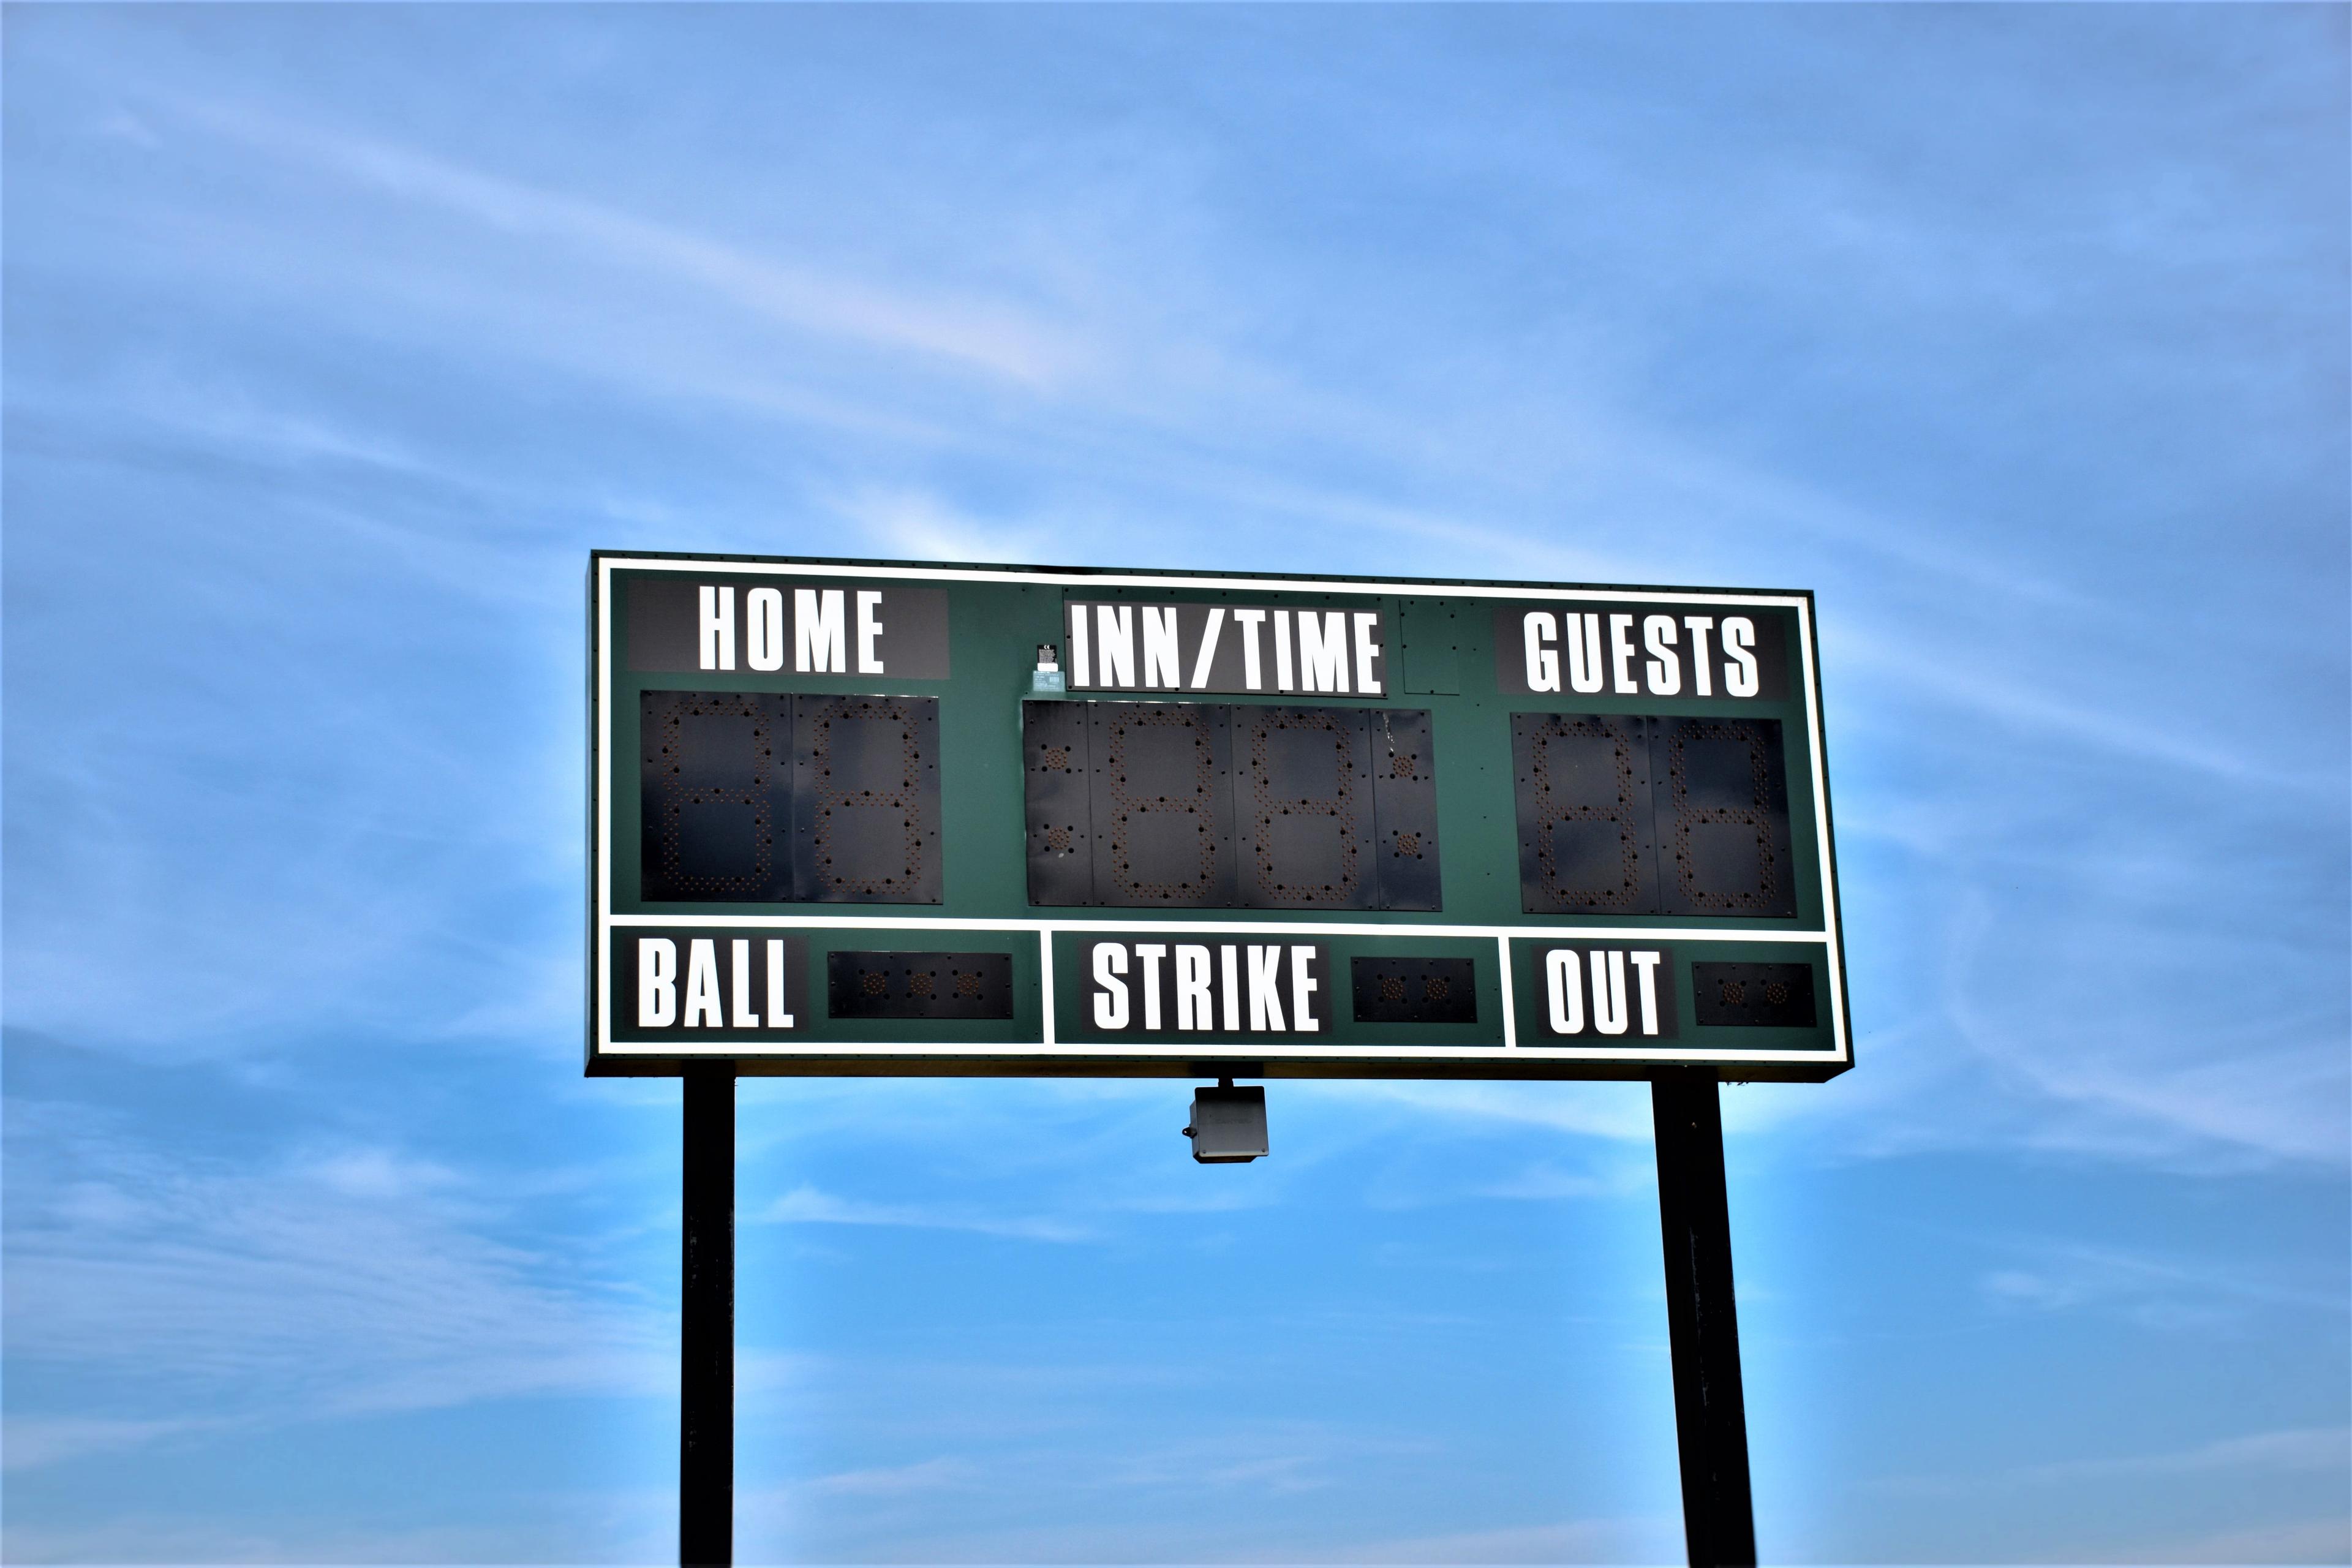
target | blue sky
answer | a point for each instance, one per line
(334, 340)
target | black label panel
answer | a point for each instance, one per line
(919, 984)
(697, 985)
(1597, 993)
(693, 621)
(1757, 995)
(1136, 647)
(1414, 990)
(1649, 650)
(1176, 987)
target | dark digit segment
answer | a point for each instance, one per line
(919, 984)
(1306, 812)
(1754, 995)
(1625, 814)
(715, 788)
(1404, 793)
(1582, 785)
(1723, 814)
(1057, 789)
(760, 797)
(1162, 808)
(1221, 805)
(868, 799)
(1414, 990)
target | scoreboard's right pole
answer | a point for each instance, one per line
(1703, 1321)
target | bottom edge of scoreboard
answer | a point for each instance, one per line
(1780, 1068)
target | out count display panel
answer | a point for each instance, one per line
(894, 817)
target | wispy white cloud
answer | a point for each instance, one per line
(582, 1527)
(807, 1205)
(1274, 1455)
(337, 1283)
(920, 525)
(29, 1441)
(1619, 1112)
(985, 337)
(2120, 1081)
(2147, 1287)
(1546, 1181)
(2324, 1539)
(1631, 1540)
(1187, 1493)
(898, 1481)
(2194, 742)
(2292, 1450)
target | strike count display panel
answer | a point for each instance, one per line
(887, 818)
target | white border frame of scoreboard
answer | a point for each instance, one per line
(935, 1050)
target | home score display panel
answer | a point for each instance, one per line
(854, 817)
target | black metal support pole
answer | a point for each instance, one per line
(706, 1434)
(1710, 1417)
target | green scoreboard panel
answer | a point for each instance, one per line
(870, 817)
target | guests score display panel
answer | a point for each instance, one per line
(870, 817)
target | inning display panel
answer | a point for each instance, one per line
(872, 817)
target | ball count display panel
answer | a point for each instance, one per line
(889, 817)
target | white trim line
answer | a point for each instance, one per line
(600, 1035)
(1291, 928)
(1356, 586)
(858, 1050)
(1045, 984)
(1510, 1011)
(1829, 911)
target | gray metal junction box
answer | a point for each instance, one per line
(1228, 1125)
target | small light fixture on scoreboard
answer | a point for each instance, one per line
(1047, 679)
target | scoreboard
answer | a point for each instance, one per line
(868, 817)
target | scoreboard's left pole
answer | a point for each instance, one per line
(706, 1430)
